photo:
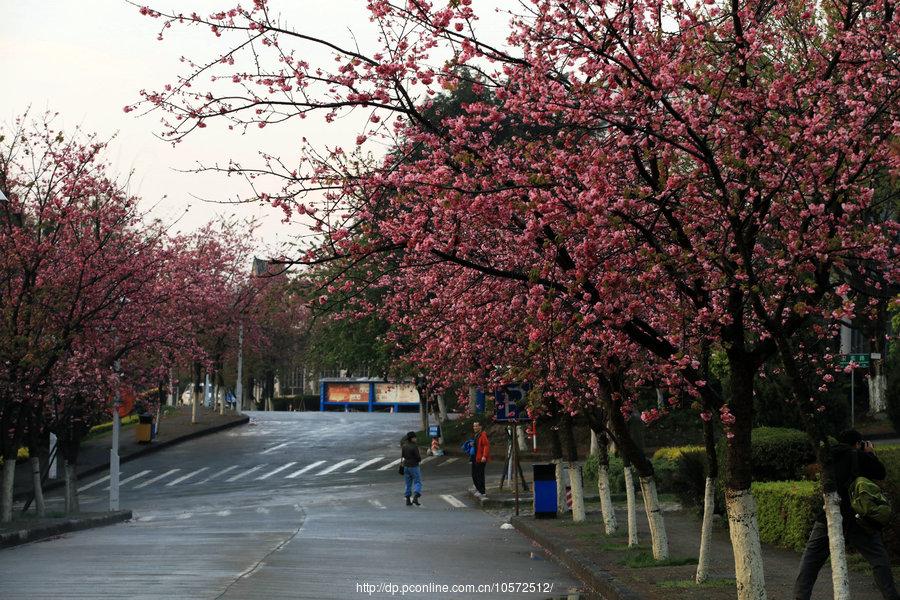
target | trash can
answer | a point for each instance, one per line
(544, 491)
(144, 430)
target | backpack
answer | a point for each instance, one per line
(867, 500)
(469, 448)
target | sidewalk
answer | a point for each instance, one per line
(599, 560)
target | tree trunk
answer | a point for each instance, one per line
(521, 438)
(606, 505)
(442, 408)
(71, 489)
(6, 494)
(631, 507)
(743, 526)
(709, 507)
(577, 492)
(744, 530)
(658, 536)
(556, 445)
(877, 389)
(595, 446)
(195, 402)
(36, 482)
(840, 578)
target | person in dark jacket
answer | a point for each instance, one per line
(411, 458)
(852, 457)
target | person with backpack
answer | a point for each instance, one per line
(864, 511)
(412, 474)
(479, 454)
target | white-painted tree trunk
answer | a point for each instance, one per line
(577, 484)
(6, 493)
(840, 579)
(744, 531)
(561, 507)
(877, 390)
(521, 438)
(36, 482)
(606, 505)
(442, 409)
(216, 397)
(595, 446)
(71, 489)
(658, 537)
(631, 507)
(709, 507)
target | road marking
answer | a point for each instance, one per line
(185, 477)
(183, 516)
(155, 479)
(223, 513)
(278, 470)
(216, 474)
(244, 474)
(448, 461)
(274, 448)
(365, 464)
(305, 469)
(336, 466)
(90, 485)
(389, 465)
(455, 503)
(377, 504)
(132, 478)
(427, 458)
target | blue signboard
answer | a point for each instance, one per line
(434, 431)
(509, 401)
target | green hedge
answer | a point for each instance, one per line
(104, 427)
(778, 453)
(786, 511)
(664, 469)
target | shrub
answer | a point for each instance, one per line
(676, 452)
(665, 471)
(890, 457)
(104, 427)
(786, 511)
(779, 453)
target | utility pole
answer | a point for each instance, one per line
(114, 451)
(239, 386)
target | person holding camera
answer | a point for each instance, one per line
(852, 457)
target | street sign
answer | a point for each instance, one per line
(434, 431)
(860, 359)
(508, 400)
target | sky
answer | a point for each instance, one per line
(88, 59)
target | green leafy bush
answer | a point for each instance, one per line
(786, 511)
(779, 453)
(890, 457)
(104, 427)
(665, 471)
(676, 452)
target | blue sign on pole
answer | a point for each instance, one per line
(434, 431)
(508, 400)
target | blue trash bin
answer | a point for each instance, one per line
(544, 491)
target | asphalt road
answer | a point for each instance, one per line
(293, 505)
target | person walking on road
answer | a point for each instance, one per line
(412, 473)
(480, 458)
(853, 457)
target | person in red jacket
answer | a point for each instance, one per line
(480, 459)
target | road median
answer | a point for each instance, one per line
(24, 531)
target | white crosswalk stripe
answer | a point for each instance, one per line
(377, 504)
(90, 485)
(366, 464)
(274, 448)
(130, 479)
(452, 501)
(278, 470)
(305, 469)
(389, 465)
(244, 474)
(336, 466)
(448, 461)
(157, 478)
(218, 473)
(427, 459)
(185, 477)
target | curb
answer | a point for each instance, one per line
(526, 499)
(600, 581)
(24, 536)
(53, 485)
